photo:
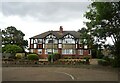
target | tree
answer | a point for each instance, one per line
(12, 49)
(85, 36)
(104, 21)
(13, 36)
(88, 39)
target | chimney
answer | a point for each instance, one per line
(61, 29)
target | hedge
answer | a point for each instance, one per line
(32, 57)
(103, 62)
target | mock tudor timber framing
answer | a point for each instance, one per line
(66, 43)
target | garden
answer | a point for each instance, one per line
(33, 59)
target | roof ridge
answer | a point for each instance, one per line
(57, 34)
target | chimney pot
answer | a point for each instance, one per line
(61, 29)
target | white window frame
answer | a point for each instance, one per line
(81, 52)
(89, 52)
(39, 50)
(60, 46)
(68, 51)
(60, 41)
(48, 50)
(55, 51)
(35, 41)
(32, 41)
(76, 45)
(31, 50)
(85, 46)
(43, 45)
(35, 46)
(39, 41)
(68, 41)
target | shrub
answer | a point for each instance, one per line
(100, 56)
(19, 55)
(87, 60)
(115, 62)
(56, 56)
(49, 57)
(65, 57)
(32, 57)
(106, 58)
(12, 49)
(103, 62)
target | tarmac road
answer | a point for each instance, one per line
(56, 74)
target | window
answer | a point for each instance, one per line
(43, 45)
(39, 51)
(69, 41)
(85, 46)
(35, 46)
(60, 46)
(35, 40)
(68, 51)
(60, 41)
(32, 41)
(80, 45)
(50, 41)
(31, 50)
(76, 45)
(81, 52)
(89, 52)
(40, 41)
(49, 51)
(55, 51)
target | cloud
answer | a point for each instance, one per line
(46, 11)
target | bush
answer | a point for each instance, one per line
(32, 57)
(65, 57)
(106, 58)
(49, 57)
(56, 56)
(115, 62)
(100, 56)
(87, 60)
(103, 62)
(12, 49)
(19, 55)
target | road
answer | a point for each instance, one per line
(57, 74)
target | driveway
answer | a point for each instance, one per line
(57, 74)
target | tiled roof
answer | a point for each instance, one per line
(58, 34)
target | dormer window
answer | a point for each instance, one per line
(69, 39)
(40, 41)
(50, 41)
(85, 46)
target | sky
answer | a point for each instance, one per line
(33, 18)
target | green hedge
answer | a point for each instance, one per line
(49, 57)
(103, 62)
(32, 57)
(54, 56)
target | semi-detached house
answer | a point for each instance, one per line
(66, 43)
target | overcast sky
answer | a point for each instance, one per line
(33, 18)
